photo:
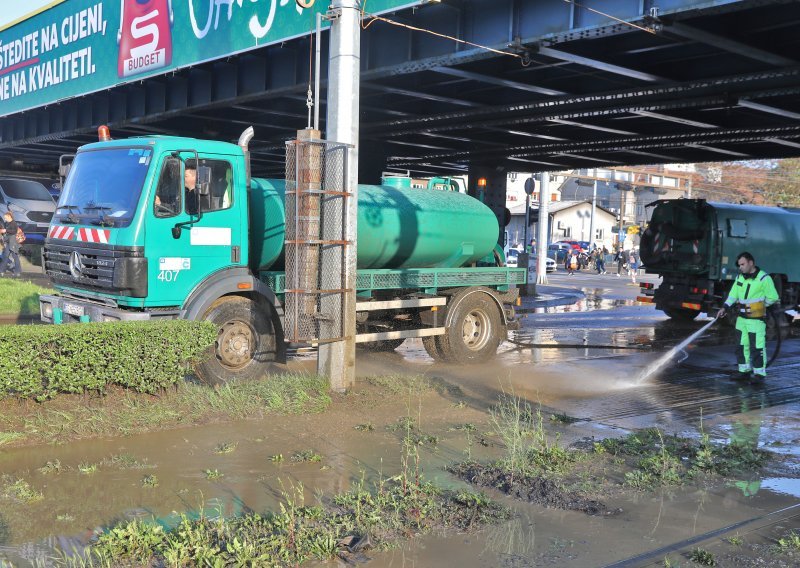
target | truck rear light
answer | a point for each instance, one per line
(696, 290)
(647, 285)
(645, 299)
(690, 306)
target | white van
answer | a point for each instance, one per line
(30, 204)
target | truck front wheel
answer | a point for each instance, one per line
(475, 331)
(245, 344)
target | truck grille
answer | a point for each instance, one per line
(40, 216)
(89, 265)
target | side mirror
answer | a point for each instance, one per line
(203, 180)
(64, 170)
(176, 232)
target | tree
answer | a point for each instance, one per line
(783, 183)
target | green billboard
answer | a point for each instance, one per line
(81, 46)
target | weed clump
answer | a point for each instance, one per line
(342, 527)
(19, 490)
(702, 557)
(658, 460)
(535, 464)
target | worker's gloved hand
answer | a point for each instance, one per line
(775, 309)
(723, 311)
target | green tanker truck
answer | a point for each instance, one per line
(693, 244)
(129, 242)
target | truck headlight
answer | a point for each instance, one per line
(47, 311)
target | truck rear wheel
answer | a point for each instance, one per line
(681, 314)
(475, 332)
(245, 344)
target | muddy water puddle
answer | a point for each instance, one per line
(77, 504)
(250, 465)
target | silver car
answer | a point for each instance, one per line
(31, 205)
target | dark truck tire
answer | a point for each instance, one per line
(681, 314)
(475, 332)
(431, 346)
(245, 344)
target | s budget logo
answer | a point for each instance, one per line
(145, 36)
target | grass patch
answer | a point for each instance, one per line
(306, 456)
(702, 557)
(342, 527)
(658, 460)
(20, 490)
(124, 461)
(563, 418)
(735, 540)
(87, 468)
(225, 448)
(8, 437)
(414, 385)
(150, 481)
(51, 467)
(122, 413)
(20, 298)
(213, 474)
(536, 468)
(789, 543)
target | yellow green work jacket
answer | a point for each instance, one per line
(751, 290)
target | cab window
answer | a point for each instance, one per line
(220, 191)
(167, 201)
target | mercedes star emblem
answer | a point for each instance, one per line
(76, 264)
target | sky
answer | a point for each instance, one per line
(11, 10)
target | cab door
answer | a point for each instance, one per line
(191, 234)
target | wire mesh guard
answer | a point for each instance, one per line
(316, 209)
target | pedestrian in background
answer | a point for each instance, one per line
(633, 266)
(599, 261)
(11, 250)
(622, 259)
(571, 263)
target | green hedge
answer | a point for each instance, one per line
(38, 361)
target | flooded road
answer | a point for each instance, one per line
(250, 465)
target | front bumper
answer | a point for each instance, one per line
(59, 309)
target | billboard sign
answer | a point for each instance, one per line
(81, 46)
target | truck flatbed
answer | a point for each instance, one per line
(429, 280)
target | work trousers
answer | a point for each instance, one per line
(752, 352)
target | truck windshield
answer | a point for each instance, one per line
(103, 187)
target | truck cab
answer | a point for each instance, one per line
(128, 232)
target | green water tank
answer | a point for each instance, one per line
(417, 228)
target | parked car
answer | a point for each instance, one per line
(550, 264)
(512, 260)
(31, 205)
(558, 251)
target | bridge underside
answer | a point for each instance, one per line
(688, 81)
